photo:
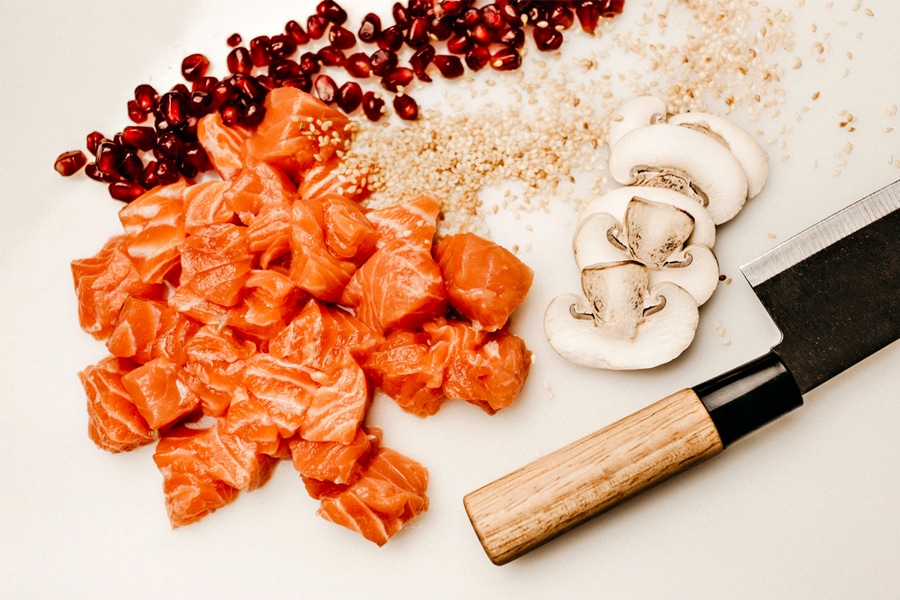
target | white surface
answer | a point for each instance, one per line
(806, 508)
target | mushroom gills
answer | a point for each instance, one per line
(616, 294)
(655, 230)
(669, 178)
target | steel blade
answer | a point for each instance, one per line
(832, 289)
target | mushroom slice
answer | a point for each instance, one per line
(615, 202)
(616, 294)
(600, 238)
(662, 336)
(655, 230)
(637, 112)
(695, 269)
(709, 165)
(742, 144)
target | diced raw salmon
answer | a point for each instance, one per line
(485, 281)
(248, 418)
(204, 204)
(216, 262)
(234, 459)
(333, 461)
(154, 225)
(114, 423)
(348, 233)
(338, 405)
(297, 131)
(487, 369)
(408, 370)
(284, 387)
(191, 491)
(187, 302)
(224, 145)
(257, 185)
(215, 363)
(159, 395)
(103, 283)
(161, 205)
(148, 329)
(269, 302)
(390, 492)
(414, 222)
(269, 234)
(313, 267)
(322, 178)
(400, 286)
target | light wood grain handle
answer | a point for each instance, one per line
(536, 503)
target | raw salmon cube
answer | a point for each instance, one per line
(148, 329)
(224, 145)
(159, 395)
(338, 404)
(216, 262)
(348, 233)
(257, 185)
(215, 367)
(406, 368)
(313, 267)
(269, 234)
(204, 204)
(333, 461)
(414, 222)
(114, 422)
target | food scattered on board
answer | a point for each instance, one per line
(645, 250)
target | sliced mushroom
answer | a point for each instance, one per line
(615, 202)
(742, 144)
(599, 239)
(667, 329)
(655, 230)
(664, 148)
(637, 112)
(616, 294)
(694, 268)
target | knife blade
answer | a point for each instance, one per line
(832, 290)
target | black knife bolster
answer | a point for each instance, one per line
(746, 398)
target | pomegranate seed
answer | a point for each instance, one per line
(252, 114)
(125, 191)
(148, 178)
(221, 93)
(511, 36)
(142, 138)
(417, 34)
(283, 69)
(588, 14)
(239, 60)
(341, 37)
(199, 103)
(453, 8)
(282, 46)
(358, 65)
(547, 38)
(169, 145)
(69, 163)
(401, 17)
(108, 155)
(405, 107)
(326, 88)
(470, 18)
(229, 112)
(370, 28)
(536, 15)
(309, 63)
(561, 17)
(93, 171)
(188, 170)
(301, 82)
(332, 12)
(420, 8)
(478, 57)
(194, 154)
(130, 166)
(349, 96)
(450, 66)
(146, 97)
(383, 62)
(440, 29)
(259, 52)
(420, 60)
(234, 39)
(135, 113)
(167, 171)
(400, 77)
(611, 8)
(93, 141)
(509, 12)
(506, 59)
(482, 35)
(194, 66)
(391, 39)
(373, 106)
(491, 17)
(249, 87)
(297, 33)
(173, 107)
(330, 56)
(315, 26)
(459, 43)
(204, 84)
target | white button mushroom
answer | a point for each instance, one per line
(634, 113)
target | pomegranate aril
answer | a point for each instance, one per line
(301, 82)
(135, 113)
(173, 107)
(454, 8)
(93, 141)
(169, 145)
(108, 155)
(125, 191)
(248, 87)
(316, 26)
(506, 59)
(251, 114)
(309, 63)
(229, 112)
(420, 60)
(358, 65)
(450, 66)
(405, 107)
(282, 69)
(383, 62)
(326, 88)
(391, 39)
(511, 36)
(440, 28)
(478, 57)
(204, 84)
(373, 106)
(536, 15)
(400, 15)
(611, 8)
(370, 28)
(349, 96)
(194, 66)
(199, 103)
(260, 54)
(148, 178)
(69, 163)
(482, 35)
(491, 17)
(130, 166)
(417, 34)
(234, 39)
(297, 33)
(167, 171)
(420, 8)
(282, 46)
(459, 43)
(330, 56)
(93, 171)
(142, 138)
(561, 17)
(332, 12)
(194, 154)
(146, 97)
(239, 60)
(470, 18)
(547, 38)
(588, 14)
(510, 12)
(397, 78)
(341, 37)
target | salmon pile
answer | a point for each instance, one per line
(250, 319)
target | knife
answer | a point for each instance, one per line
(832, 290)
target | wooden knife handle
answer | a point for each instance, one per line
(534, 504)
(538, 502)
